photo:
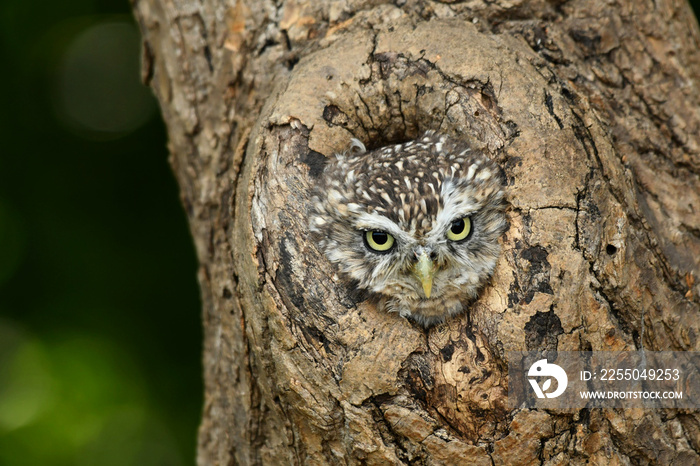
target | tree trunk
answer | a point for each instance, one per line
(592, 109)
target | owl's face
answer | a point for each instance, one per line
(417, 223)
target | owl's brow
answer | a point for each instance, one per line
(373, 221)
(454, 205)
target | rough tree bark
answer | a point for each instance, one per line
(592, 108)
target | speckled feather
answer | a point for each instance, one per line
(414, 191)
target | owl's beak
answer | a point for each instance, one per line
(424, 270)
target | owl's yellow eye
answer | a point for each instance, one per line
(460, 229)
(379, 241)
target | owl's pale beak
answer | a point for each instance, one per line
(424, 270)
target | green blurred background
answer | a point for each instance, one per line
(100, 334)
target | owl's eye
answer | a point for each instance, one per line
(460, 229)
(379, 241)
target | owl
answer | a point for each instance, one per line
(415, 224)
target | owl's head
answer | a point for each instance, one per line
(416, 223)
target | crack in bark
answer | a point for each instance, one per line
(374, 403)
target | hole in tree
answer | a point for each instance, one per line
(610, 249)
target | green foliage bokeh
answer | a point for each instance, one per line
(100, 333)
